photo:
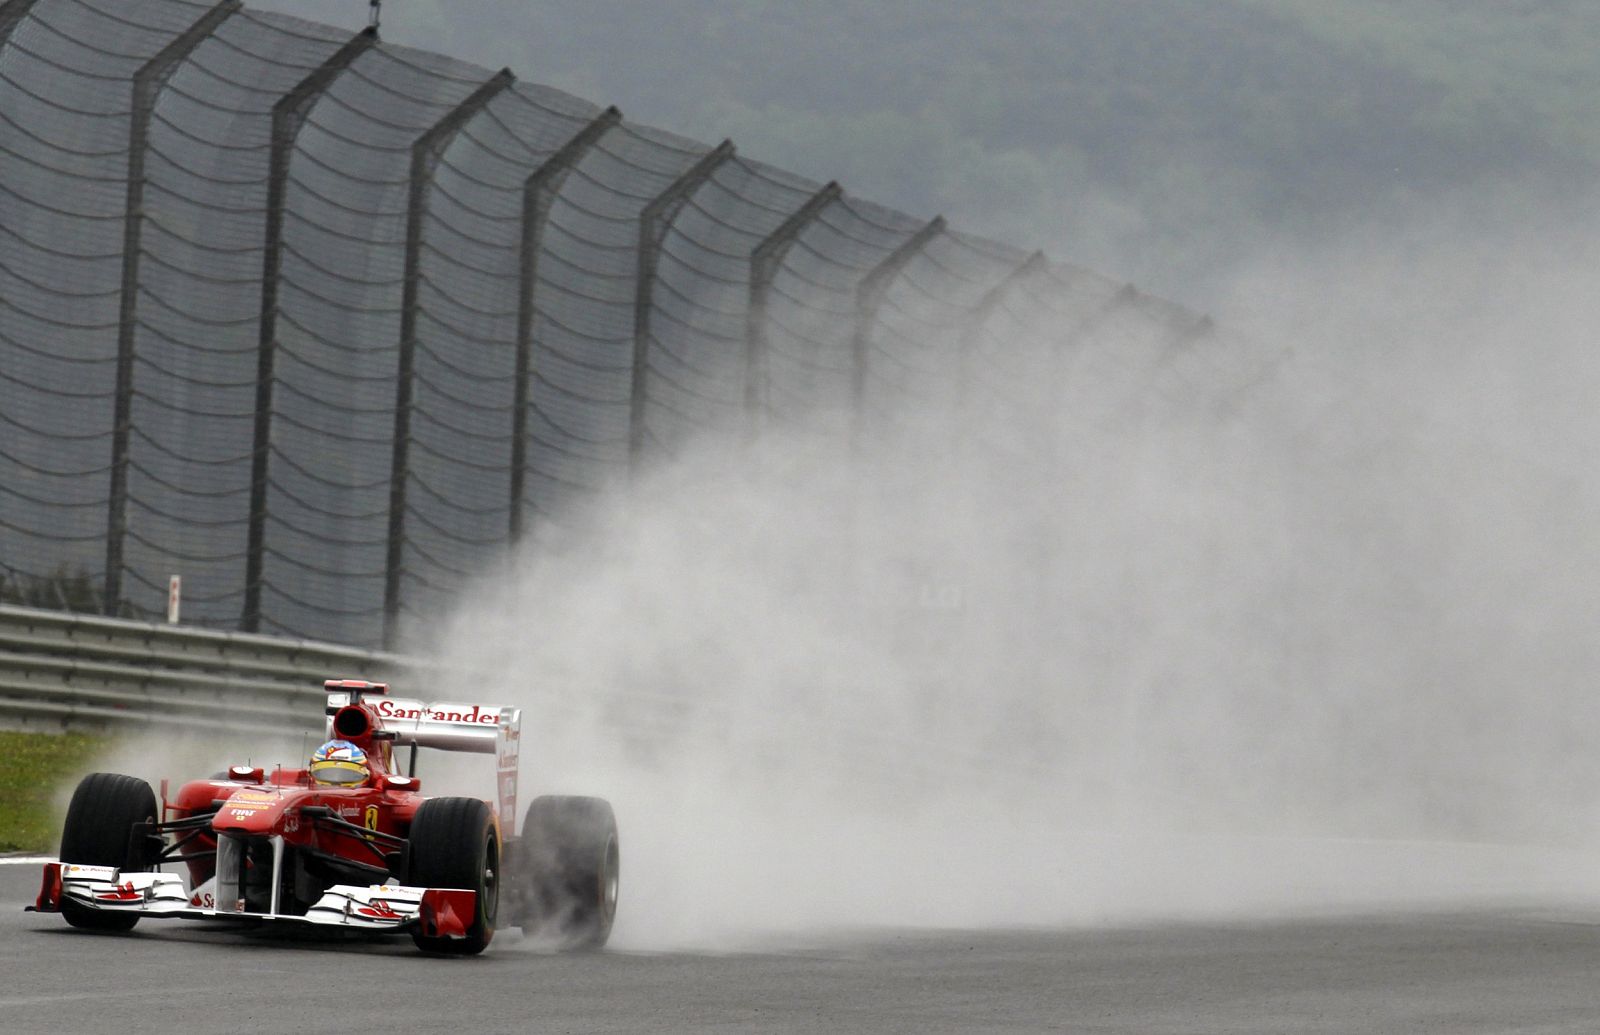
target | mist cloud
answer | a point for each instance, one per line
(1321, 640)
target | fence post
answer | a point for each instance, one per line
(978, 319)
(764, 263)
(1126, 295)
(1203, 327)
(288, 115)
(147, 84)
(538, 193)
(869, 296)
(653, 223)
(1183, 336)
(12, 12)
(425, 154)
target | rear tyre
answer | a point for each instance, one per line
(573, 864)
(99, 832)
(456, 844)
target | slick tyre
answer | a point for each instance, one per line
(99, 832)
(573, 865)
(455, 843)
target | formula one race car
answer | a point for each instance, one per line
(346, 842)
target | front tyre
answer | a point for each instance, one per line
(99, 832)
(573, 862)
(455, 843)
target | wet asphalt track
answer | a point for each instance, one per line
(1522, 971)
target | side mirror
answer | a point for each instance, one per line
(245, 773)
(395, 782)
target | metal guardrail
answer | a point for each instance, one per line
(66, 671)
(63, 671)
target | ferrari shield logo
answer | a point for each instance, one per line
(372, 817)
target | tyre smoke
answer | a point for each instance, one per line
(1315, 633)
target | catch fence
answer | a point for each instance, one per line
(324, 324)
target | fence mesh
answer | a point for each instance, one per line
(198, 308)
(321, 324)
(66, 101)
(458, 494)
(585, 302)
(695, 349)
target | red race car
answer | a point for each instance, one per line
(347, 841)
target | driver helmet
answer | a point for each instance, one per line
(339, 763)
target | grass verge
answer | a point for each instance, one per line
(32, 768)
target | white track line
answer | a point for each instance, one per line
(25, 860)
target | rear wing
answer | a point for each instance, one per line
(448, 726)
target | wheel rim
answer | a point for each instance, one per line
(491, 878)
(608, 880)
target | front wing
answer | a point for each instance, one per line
(440, 912)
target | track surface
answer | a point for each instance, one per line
(1459, 973)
